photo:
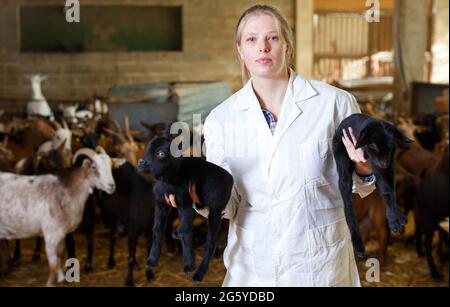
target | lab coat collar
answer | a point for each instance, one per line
(299, 89)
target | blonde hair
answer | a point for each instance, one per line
(283, 28)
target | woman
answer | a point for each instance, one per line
(287, 224)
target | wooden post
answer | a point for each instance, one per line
(410, 41)
(304, 40)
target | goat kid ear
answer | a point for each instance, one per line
(402, 140)
(363, 139)
(166, 132)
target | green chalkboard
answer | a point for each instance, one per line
(44, 28)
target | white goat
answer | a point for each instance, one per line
(52, 205)
(38, 106)
(62, 133)
(73, 116)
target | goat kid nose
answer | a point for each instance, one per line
(112, 186)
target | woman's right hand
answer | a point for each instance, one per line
(170, 199)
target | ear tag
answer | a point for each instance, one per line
(102, 136)
(116, 165)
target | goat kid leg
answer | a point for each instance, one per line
(418, 233)
(186, 214)
(148, 270)
(89, 224)
(429, 251)
(159, 221)
(214, 220)
(385, 183)
(112, 241)
(90, 250)
(132, 242)
(168, 230)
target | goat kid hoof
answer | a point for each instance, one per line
(395, 226)
(197, 278)
(111, 264)
(149, 275)
(189, 269)
(360, 249)
(396, 220)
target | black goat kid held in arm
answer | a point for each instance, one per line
(379, 140)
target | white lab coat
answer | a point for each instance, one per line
(287, 224)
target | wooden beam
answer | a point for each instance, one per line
(349, 5)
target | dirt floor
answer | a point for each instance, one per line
(403, 267)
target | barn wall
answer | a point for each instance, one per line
(208, 35)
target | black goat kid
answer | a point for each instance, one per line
(132, 206)
(378, 140)
(178, 176)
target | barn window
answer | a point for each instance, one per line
(43, 28)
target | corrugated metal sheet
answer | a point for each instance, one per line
(163, 102)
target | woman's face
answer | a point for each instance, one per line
(261, 48)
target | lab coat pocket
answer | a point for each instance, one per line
(317, 159)
(326, 195)
(330, 248)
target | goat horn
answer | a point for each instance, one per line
(100, 150)
(65, 124)
(83, 151)
(127, 130)
(119, 136)
(116, 124)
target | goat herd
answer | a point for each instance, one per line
(56, 176)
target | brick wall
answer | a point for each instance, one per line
(208, 38)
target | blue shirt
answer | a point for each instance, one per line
(270, 119)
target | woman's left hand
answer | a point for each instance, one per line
(362, 165)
